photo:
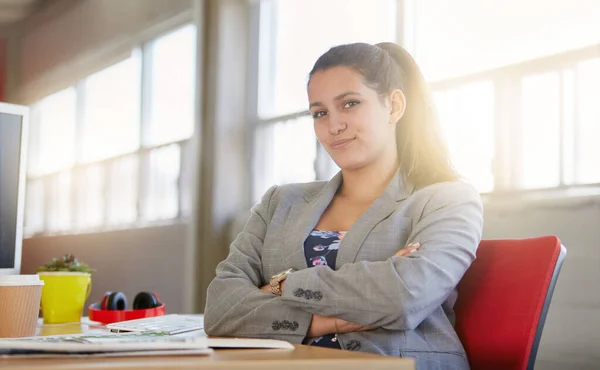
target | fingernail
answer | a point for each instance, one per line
(413, 245)
(412, 251)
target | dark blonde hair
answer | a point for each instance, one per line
(422, 152)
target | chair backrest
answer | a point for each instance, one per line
(503, 300)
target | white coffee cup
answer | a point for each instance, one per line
(20, 297)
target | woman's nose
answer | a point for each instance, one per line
(336, 124)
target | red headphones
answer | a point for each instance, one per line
(118, 301)
(113, 307)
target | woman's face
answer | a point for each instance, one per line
(351, 122)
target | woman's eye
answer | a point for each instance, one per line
(319, 114)
(351, 104)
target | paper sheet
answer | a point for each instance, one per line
(127, 344)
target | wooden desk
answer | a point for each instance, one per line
(301, 357)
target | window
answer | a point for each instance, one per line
(111, 111)
(122, 190)
(534, 125)
(518, 108)
(292, 35)
(59, 203)
(540, 131)
(466, 119)
(288, 151)
(163, 184)
(106, 152)
(52, 146)
(587, 150)
(172, 81)
(544, 138)
(90, 200)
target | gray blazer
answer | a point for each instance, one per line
(410, 299)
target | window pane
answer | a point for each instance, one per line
(540, 163)
(162, 201)
(34, 207)
(294, 33)
(286, 153)
(90, 197)
(59, 202)
(52, 136)
(172, 81)
(568, 126)
(111, 111)
(588, 129)
(122, 190)
(186, 182)
(467, 120)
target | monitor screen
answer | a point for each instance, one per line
(12, 177)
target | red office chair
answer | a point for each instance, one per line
(503, 300)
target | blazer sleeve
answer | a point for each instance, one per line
(400, 292)
(235, 306)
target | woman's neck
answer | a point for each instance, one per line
(368, 183)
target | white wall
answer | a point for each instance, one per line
(571, 338)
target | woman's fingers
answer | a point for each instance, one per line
(410, 248)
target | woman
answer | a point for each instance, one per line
(387, 239)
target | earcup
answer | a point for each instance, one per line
(114, 301)
(145, 300)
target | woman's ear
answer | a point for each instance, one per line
(397, 105)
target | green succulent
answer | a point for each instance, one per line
(68, 263)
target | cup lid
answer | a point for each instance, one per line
(20, 280)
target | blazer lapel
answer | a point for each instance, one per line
(381, 208)
(304, 216)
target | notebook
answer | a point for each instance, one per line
(167, 324)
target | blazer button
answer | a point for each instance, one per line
(276, 325)
(318, 295)
(353, 345)
(286, 325)
(308, 294)
(299, 293)
(294, 326)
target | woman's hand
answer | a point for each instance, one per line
(410, 248)
(267, 288)
(343, 327)
(322, 325)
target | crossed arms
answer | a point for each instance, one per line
(398, 293)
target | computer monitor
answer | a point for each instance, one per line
(14, 121)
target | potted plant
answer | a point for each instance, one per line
(67, 285)
(68, 263)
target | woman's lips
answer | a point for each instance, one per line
(342, 143)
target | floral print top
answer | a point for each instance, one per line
(320, 249)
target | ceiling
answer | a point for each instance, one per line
(13, 11)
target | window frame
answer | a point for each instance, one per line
(143, 51)
(508, 92)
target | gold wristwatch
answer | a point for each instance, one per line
(277, 279)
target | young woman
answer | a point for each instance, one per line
(370, 260)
